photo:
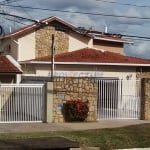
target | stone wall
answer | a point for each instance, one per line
(143, 74)
(44, 41)
(68, 88)
(145, 113)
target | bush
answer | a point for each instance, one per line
(75, 110)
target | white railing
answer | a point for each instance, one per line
(21, 102)
(119, 99)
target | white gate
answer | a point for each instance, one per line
(21, 102)
(119, 99)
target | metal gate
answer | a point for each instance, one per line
(118, 99)
(21, 102)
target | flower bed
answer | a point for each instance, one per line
(75, 110)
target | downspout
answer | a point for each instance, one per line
(18, 76)
(52, 57)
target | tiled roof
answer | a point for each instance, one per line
(32, 27)
(6, 66)
(88, 55)
(111, 38)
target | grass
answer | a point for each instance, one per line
(125, 137)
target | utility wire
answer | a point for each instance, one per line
(19, 17)
(24, 10)
(126, 4)
(134, 36)
(15, 21)
(137, 39)
(8, 1)
(125, 35)
(84, 13)
(32, 20)
(87, 31)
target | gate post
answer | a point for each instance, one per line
(49, 102)
(145, 105)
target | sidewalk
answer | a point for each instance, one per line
(44, 127)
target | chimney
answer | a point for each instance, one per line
(106, 29)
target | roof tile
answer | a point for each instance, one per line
(90, 55)
(7, 67)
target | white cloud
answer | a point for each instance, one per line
(139, 49)
(115, 25)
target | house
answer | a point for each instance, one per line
(87, 65)
(87, 62)
(107, 80)
(27, 43)
(10, 70)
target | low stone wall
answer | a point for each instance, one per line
(145, 106)
(67, 88)
(143, 75)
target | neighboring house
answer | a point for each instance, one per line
(10, 70)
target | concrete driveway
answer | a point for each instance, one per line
(44, 127)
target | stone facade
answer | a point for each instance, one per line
(143, 74)
(68, 88)
(145, 113)
(44, 41)
(85, 89)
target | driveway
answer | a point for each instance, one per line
(44, 127)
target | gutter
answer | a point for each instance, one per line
(17, 32)
(14, 62)
(84, 63)
(112, 40)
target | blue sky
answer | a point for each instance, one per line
(138, 27)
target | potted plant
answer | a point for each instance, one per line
(75, 110)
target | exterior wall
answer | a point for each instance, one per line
(121, 72)
(14, 52)
(145, 114)
(65, 89)
(28, 70)
(20, 49)
(26, 47)
(77, 41)
(4, 46)
(44, 41)
(43, 71)
(10, 47)
(109, 46)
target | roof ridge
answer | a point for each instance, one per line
(33, 25)
(90, 55)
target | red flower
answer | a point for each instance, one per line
(76, 110)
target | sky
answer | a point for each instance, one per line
(115, 25)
